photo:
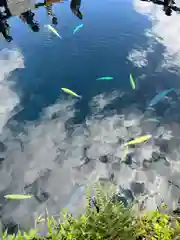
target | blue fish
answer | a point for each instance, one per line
(77, 28)
(159, 96)
(104, 78)
(155, 120)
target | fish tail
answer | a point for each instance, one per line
(79, 96)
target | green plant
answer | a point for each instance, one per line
(156, 225)
(112, 221)
(107, 221)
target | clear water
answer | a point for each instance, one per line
(45, 131)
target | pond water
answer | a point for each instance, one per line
(53, 144)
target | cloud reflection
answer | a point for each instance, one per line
(53, 158)
(165, 31)
(50, 164)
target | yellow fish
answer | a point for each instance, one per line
(54, 31)
(139, 140)
(66, 90)
(17, 196)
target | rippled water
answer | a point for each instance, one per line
(52, 144)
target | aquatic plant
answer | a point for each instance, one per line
(156, 225)
(105, 218)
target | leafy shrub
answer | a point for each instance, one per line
(107, 220)
(156, 225)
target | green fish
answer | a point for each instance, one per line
(132, 81)
(139, 140)
(104, 78)
(66, 90)
(17, 196)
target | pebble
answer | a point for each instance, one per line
(104, 159)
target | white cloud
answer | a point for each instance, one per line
(48, 144)
(10, 59)
(138, 57)
(53, 146)
(165, 30)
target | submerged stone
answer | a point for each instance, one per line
(10, 226)
(104, 159)
(156, 156)
(137, 187)
(2, 147)
(42, 197)
(128, 194)
(146, 163)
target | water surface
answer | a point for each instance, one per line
(46, 134)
